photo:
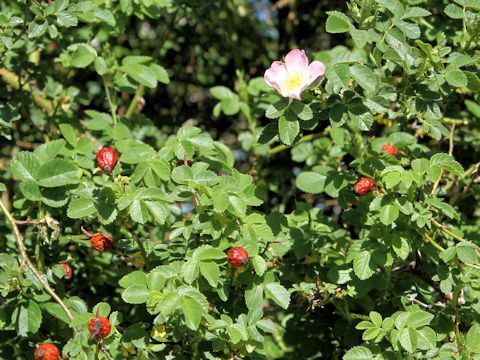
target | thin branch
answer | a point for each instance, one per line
(448, 120)
(434, 243)
(26, 260)
(31, 222)
(113, 108)
(305, 138)
(441, 248)
(133, 104)
(447, 230)
(467, 188)
(450, 152)
(450, 147)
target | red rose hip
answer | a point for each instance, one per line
(46, 351)
(389, 148)
(237, 256)
(99, 327)
(107, 158)
(364, 185)
(68, 271)
(101, 242)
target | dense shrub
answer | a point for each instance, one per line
(180, 180)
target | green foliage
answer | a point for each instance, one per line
(212, 157)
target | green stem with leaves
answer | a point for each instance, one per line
(304, 138)
(39, 276)
(113, 107)
(134, 102)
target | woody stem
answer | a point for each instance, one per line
(26, 260)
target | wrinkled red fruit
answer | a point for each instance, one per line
(107, 159)
(68, 271)
(46, 351)
(99, 327)
(237, 256)
(101, 242)
(364, 185)
(389, 148)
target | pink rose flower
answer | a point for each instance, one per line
(291, 78)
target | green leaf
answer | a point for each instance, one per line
(80, 208)
(447, 162)
(311, 182)
(141, 73)
(359, 37)
(388, 214)
(303, 111)
(420, 165)
(401, 246)
(68, 133)
(135, 294)
(190, 270)
(138, 278)
(27, 318)
(411, 30)
(427, 338)
(364, 77)
(473, 338)
(455, 76)
(376, 318)
(472, 4)
(169, 303)
(105, 16)
(259, 265)
(267, 325)
(338, 115)
(358, 353)
(55, 173)
(207, 252)
(419, 318)
(2, 187)
(466, 253)
(66, 19)
(337, 22)
(221, 92)
(157, 210)
(211, 272)
(288, 130)
(139, 212)
(361, 265)
(408, 339)
(415, 12)
(25, 166)
(102, 309)
(454, 11)
(278, 294)
(254, 297)
(473, 107)
(192, 311)
(160, 73)
(276, 109)
(447, 209)
(83, 56)
(371, 334)
(56, 310)
(36, 30)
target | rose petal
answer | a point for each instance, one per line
(315, 70)
(296, 61)
(296, 94)
(275, 75)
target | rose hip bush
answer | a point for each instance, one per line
(240, 179)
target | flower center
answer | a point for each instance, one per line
(293, 81)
